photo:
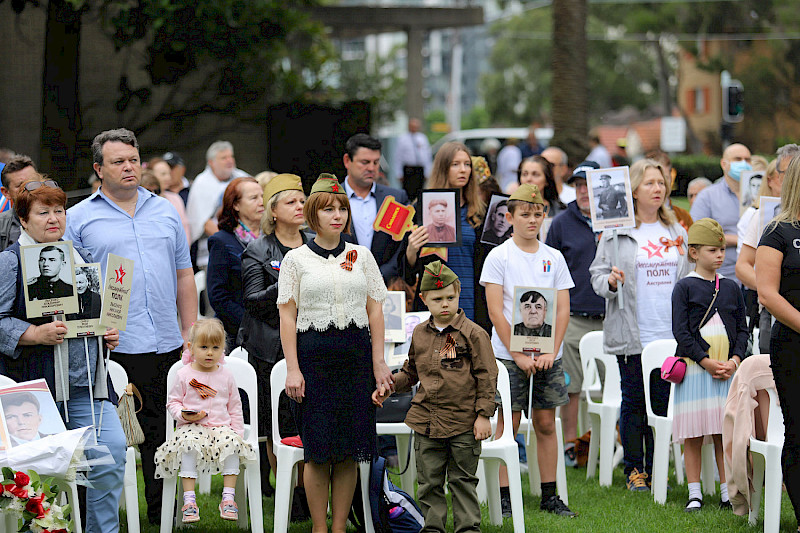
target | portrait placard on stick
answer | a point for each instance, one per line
(86, 322)
(394, 218)
(48, 271)
(117, 292)
(769, 208)
(750, 185)
(441, 216)
(533, 318)
(610, 198)
(394, 310)
(496, 228)
(29, 413)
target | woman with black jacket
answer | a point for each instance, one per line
(261, 263)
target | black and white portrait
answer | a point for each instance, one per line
(750, 186)
(49, 278)
(440, 216)
(611, 198)
(393, 316)
(533, 319)
(496, 228)
(86, 322)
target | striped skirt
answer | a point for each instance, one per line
(699, 398)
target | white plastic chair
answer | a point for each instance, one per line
(9, 523)
(402, 434)
(503, 449)
(603, 414)
(130, 488)
(289, 456)
(239, 353)
(200, 285)
(767, 471)
(248, 484)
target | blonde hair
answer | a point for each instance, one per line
(759, 162)
(790, 196)
(263, 178)
(764, 189)
(471, 192)
(638, 169)
(207, 330)
(321, 200)
(268, 218)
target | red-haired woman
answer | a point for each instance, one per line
(35, 348)
(239, 225)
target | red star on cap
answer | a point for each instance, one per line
(439, 284)
(335, 188)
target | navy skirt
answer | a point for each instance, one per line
(337, 418)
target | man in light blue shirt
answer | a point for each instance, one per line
(127, 220)
(721, 202)
(362, 160)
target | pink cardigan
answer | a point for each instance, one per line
(739, 424)
(224, 409)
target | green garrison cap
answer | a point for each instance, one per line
(527, 192)
(327, 183)
(282, 182)
(437, 275)
(706, 232)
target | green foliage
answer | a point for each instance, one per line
(477, 117)
(433, 116)
(376, 80)
(693, 166)
(518, 88)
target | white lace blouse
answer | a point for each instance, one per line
(326, 293)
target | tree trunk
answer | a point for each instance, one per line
(570, 89)
(61, 118)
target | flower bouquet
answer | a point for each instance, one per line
(33, 501)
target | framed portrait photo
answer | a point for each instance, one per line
(88, 288)
(49, 273)
(770, 207)
(394, 310)
(441, 216)
(533, 319)
(29, 413)
(750, 184)
(496, 228)
(610, 198)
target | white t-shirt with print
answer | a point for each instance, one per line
(656, 273)
(509, 266)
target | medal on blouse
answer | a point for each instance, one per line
(203, 390)
(448, 351)
(349, 259)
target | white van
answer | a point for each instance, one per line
(474, 138)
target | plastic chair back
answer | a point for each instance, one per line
(653, 357)
(119, 378)
(239, 353)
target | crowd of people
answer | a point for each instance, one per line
(304, 278)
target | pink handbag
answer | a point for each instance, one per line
(673, 369)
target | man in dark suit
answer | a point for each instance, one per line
(89, 303)
(362, 160)
(48, 284)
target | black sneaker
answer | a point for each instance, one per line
(505, 505)
(726, 506)
(554, 505)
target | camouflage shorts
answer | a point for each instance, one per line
(549, 387)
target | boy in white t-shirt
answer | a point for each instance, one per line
(524, 261)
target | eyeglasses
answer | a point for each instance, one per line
(33, 185)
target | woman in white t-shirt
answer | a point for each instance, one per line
(652, 258)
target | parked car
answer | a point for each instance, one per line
(474, 138)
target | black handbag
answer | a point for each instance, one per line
(395, 408)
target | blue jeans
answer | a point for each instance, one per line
(635, 433)
(102, 499)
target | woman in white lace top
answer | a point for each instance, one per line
(330, 298)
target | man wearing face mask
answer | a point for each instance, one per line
(721, 202)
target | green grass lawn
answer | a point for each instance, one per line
(600, 509)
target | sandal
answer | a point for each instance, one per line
(228, 510)
(190, 513)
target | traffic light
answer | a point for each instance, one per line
(732, 101)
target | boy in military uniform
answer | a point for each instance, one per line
(452, 359)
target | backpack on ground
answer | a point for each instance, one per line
(393, 510)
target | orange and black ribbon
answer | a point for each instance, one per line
(677, 243)
(349, 259)
(203, 390)
(448, 351)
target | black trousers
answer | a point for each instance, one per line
(148, 371)
(786, 369)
